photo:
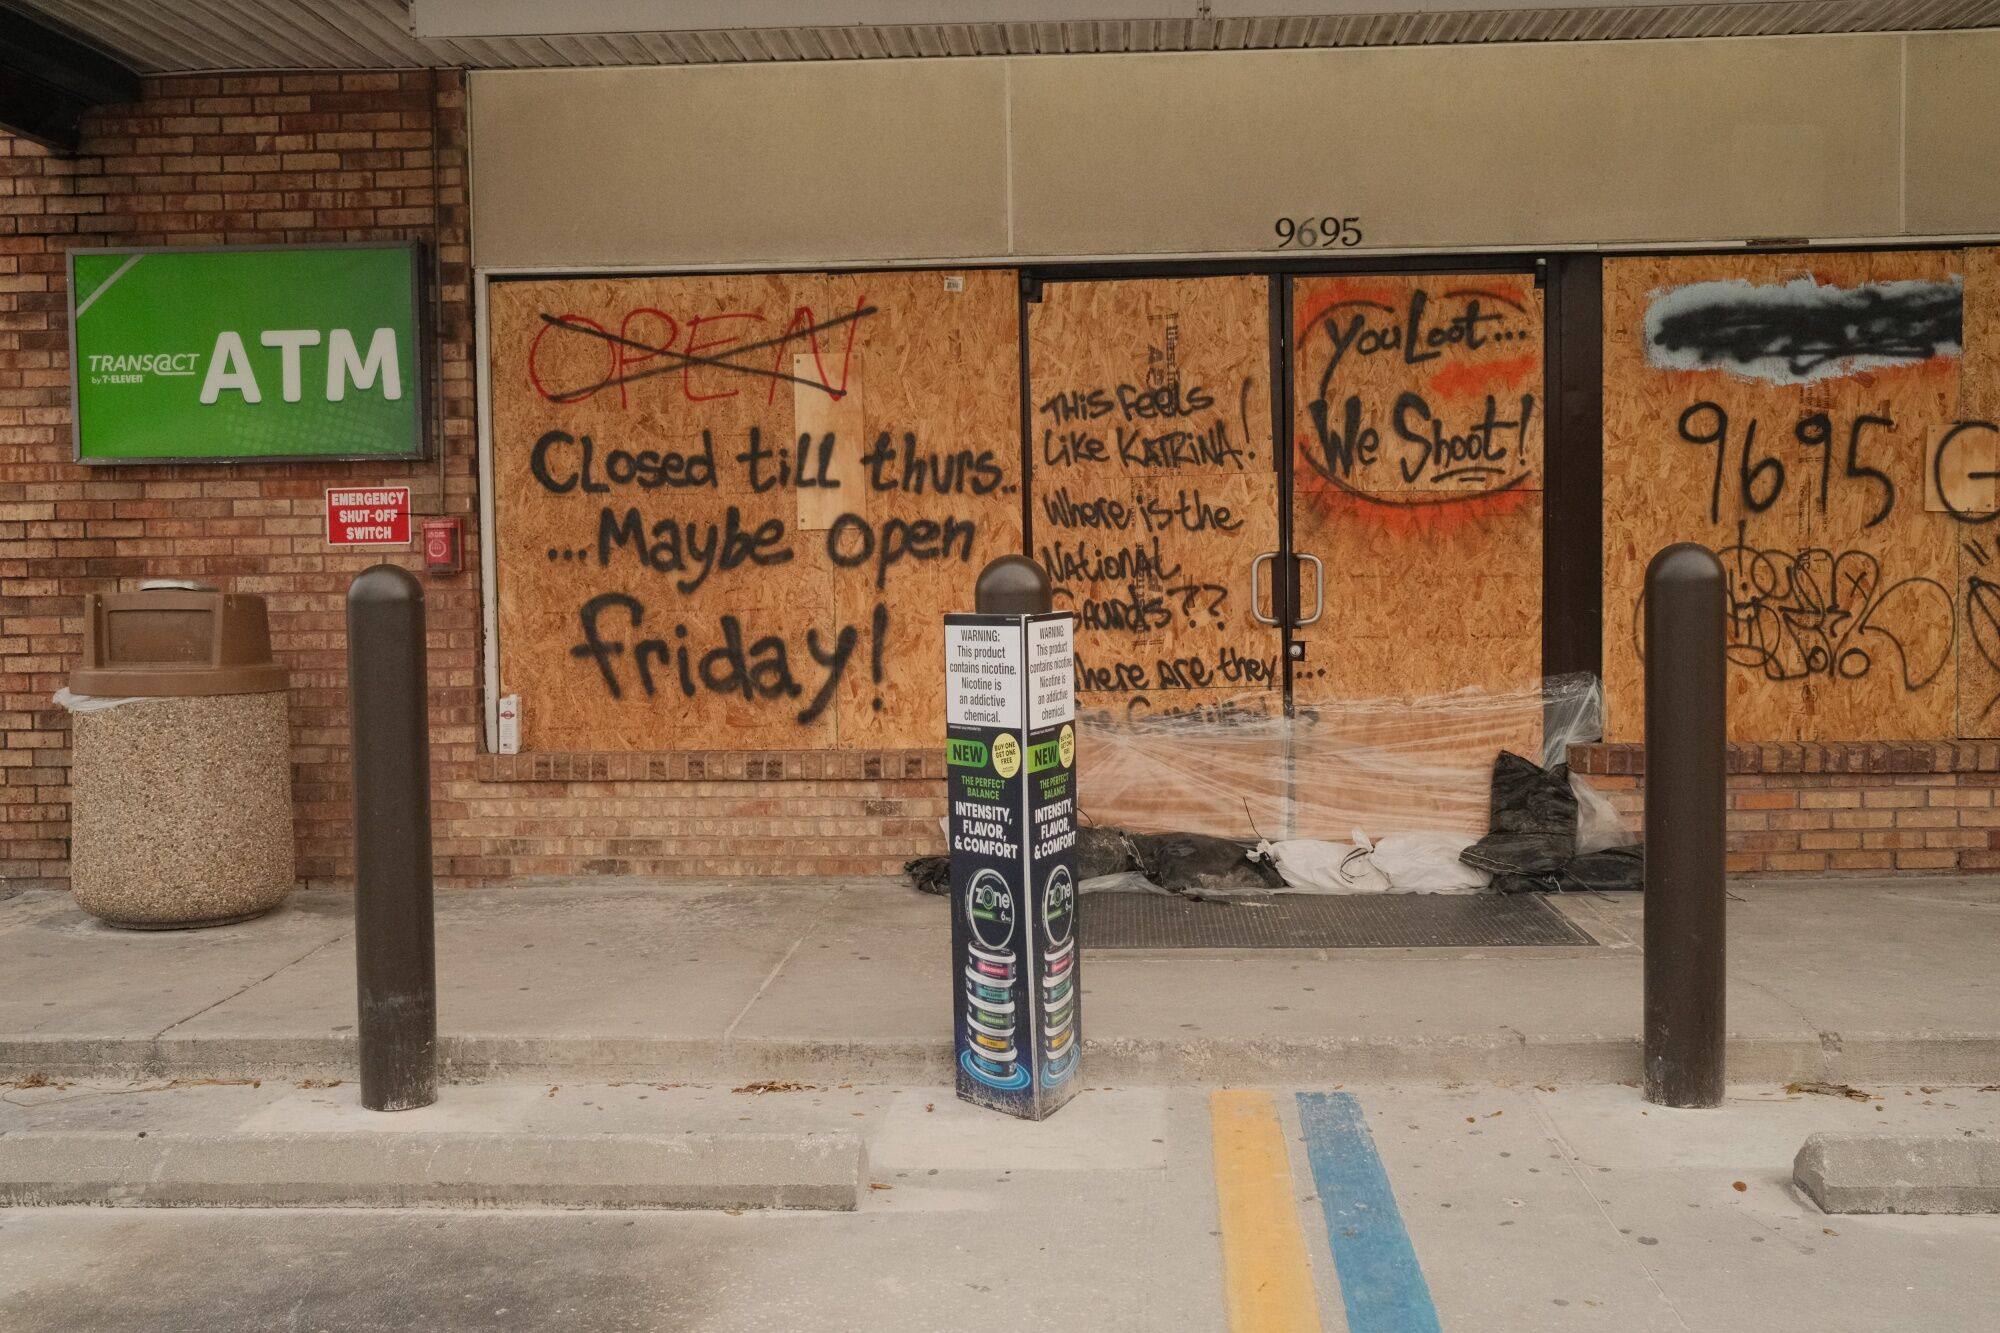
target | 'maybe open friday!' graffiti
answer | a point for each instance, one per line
(727, 515)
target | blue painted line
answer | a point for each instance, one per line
(1380, 1281)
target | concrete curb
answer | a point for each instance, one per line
(1900, 1173)
(391, 1169)
(1927, 1058)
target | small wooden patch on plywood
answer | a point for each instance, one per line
(832, 430)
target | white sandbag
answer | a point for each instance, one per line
(1425, 862)
(1310, 865)
(1599, 826)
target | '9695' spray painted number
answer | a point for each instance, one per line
(1316, 233)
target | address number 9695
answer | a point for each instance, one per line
(1316, 233)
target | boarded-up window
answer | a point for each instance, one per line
(1823, 423)
(733, 510)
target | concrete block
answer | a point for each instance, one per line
(376, 1169)
(1900, 1173)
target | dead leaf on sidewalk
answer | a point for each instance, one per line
(319, 1083)
(1738, 1186)
(878, 1185)
(1820, 1089)
(1991, 1087)
(35, 1081)
(775, 1085)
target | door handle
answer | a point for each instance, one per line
(1256, 598)
(1319, 590)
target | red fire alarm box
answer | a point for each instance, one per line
(444, 545)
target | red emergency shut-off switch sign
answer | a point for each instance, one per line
(368, 516)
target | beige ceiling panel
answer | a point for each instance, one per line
(1953, 114)
(746, 165)
(1457, 146)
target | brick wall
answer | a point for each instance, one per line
(1859, 808)
(288, 158)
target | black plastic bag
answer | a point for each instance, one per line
(1613, 869)
(1102, 851)
(1191, 862)
(1533, 823)
(931, 874)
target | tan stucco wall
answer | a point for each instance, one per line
(1564, 144)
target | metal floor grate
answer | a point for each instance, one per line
(1302, 921)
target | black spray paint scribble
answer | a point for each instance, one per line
(1796, 615)
(1801, 331)
(1982, 615)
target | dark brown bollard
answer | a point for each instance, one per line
(1012, 585)
(394, 951)
(1686, 773)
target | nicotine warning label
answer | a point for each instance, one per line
(1051, 673)
(983, 678)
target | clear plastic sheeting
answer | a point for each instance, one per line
(1382, 767)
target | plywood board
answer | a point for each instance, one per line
(1417, 466)
(1792, 413)
(763, 492)
(1154, 485)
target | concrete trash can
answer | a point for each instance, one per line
(180, 761)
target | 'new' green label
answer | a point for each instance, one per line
(965, 754)
(1048, 754)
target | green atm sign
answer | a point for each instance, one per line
(261, 353)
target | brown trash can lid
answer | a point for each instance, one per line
(170, 641)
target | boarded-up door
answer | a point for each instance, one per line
(1155, 509)
(1155, 492)
(1417, 484)
(1417, 523)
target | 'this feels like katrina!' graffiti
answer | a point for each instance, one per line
(1152, 488)
(1422, 396)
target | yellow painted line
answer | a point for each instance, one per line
(1267, 1279)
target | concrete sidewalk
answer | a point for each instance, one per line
(1573, 1210)
(849, 981)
